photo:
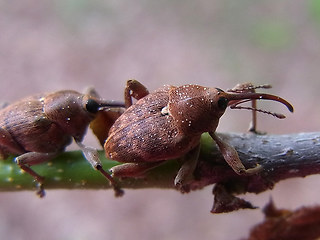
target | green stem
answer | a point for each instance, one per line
(70, 170)
(281, 156)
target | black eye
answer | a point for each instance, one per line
(223, 103)
(92, 106)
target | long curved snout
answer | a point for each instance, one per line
(237, 98)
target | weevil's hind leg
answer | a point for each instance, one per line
(232, 158)
(185, 173)
(133, 169)
(32, 158)
(134, 89)
(92, 156)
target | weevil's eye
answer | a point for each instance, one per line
(92, 106)
(223, 103)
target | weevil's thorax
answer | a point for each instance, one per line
(67, 110)
(194, 108)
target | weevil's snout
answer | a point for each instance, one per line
(94, 105)
(238, 98)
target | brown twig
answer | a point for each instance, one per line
(281, 156)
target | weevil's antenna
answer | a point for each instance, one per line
(277, 115)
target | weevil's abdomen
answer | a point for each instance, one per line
(144, 133)
(29, 126)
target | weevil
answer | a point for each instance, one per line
(168, 123)
(39, 127)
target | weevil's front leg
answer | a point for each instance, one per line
(32, 158)
(232, 158)
(133, 169)
(92, 156)
(134, 89)
(185, 173)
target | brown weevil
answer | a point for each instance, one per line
(168, 124)
(39, 127)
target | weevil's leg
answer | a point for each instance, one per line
(92, 92)
(133, 169)
(25, 160)
(32, 158)
(92, 156)
(134, 89)
(8, 144)
(232, 158)
(253, 124)
(185, 173)
(248, 87)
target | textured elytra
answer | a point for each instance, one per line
(144, 134)
(27, 123)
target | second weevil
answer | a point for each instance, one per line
(39, 127)
(168, 124)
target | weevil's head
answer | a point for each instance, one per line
(197, 109)
(73, 111)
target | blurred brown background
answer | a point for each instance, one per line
(72, 44)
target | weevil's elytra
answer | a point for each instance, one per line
(39, 127)
(146, 143)
(168, 124)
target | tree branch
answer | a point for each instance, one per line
(281, 156)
